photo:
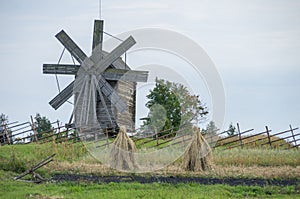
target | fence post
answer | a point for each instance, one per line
(293, 135)
(106, 132)
(156, 135)
(33, 129)
(240, 136)
(269, 139)
(58, 127)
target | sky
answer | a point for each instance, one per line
(255, 46)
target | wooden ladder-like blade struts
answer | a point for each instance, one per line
(71, 46)
(60, 69)
(62, 97)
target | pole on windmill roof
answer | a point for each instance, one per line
(100, 9)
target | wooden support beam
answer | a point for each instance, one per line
(35, 167)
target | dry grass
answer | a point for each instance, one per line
(81, 167)
(261, 163)
(283, 172)
(248, 163)
(257, 157)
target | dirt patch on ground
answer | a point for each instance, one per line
(173, 180)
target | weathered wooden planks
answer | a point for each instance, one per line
(60, 69)
(71, 46)
(98, 33)
(125, 75)
(108, 74)
(62, 97)
(112, 95)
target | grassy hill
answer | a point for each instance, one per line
(74, 159)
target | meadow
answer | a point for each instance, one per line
(73, 158)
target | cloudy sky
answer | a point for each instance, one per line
(255, 46)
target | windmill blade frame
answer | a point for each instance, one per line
(63, 96)
(60, 69)
(104, 84)
(71, 46)
(114, 54)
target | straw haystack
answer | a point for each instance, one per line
(122, 152)
(198, 156)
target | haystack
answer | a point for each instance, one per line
(122, 152)
(198, 156)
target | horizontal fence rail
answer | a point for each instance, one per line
(261, 139)
(24, 133)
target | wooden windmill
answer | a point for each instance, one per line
(114, 90)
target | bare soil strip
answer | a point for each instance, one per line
(173, 180)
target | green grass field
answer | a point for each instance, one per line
(10, 189)
(73, 158)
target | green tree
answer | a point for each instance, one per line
(43, 126)
(3, 119)
(5, 132)
(181, 108)
(211, 129)
(231, 130)
(157, 116)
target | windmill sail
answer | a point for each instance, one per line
(62, 97)
(60, 69)
(114, 55)
(71, 46)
